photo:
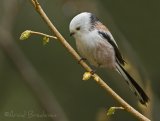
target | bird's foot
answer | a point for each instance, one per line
(93, 72)
(82, 59)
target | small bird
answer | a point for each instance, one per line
(96, 44)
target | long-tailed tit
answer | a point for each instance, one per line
(96, 44)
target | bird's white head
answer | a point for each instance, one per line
(82, 24)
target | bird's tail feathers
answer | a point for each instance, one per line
(138, 91)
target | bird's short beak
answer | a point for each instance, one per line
(72, 33)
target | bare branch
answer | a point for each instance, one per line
(26, 34)
(25, 68)
(99, 81)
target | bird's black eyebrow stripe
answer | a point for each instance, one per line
(93, 19)
(117, 52)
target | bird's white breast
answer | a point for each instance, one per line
(95, 49)
(86, 45)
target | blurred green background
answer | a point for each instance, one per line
(134, 24)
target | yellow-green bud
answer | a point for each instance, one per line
(25, 35)
(45, 40)
(86, 76)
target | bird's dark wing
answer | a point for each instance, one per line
(117, 52)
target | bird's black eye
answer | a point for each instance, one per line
(78, 28)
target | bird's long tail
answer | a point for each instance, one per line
(138, 91)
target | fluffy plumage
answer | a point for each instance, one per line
(96, 44)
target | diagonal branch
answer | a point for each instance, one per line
(31, 77)
(99, 81)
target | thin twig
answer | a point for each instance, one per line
(112, 110)
(42, 34)
(26, 34)
(99, 81)
(30, 76)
